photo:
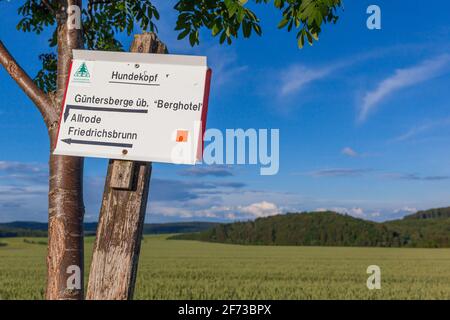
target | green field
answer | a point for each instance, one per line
(171, 269)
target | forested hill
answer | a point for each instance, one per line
(438, 213)
(332, 229)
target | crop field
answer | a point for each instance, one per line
(171, 269)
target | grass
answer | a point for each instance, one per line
(171, 269)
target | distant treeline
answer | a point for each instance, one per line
(37, 229)
(438, 213)
(18, 232)
(430, 229)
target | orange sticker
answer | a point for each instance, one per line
(182, 136)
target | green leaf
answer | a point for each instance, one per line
(310, 39)
(228, 31)
(192, 38)
(283, 22)
(257, 29)
(301, 41)
(246, 29)
(241, 15)
(278, 3)
(223, 37)
(215, 29)
(183, 34)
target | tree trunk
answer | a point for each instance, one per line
(66, 209)
(119, 233)
(65, 228)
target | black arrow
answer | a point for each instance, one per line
(98, 143)
(69, 106)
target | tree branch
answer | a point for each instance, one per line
(48, 5)
(40, 99)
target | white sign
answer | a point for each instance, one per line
(132, 106)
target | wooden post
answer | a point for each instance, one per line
(119, 232)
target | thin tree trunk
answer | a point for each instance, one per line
(119, 233)
(66, 209)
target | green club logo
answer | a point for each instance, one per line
(82, 74)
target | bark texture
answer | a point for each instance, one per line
(119, 233)
(66, 207)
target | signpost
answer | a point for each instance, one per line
(134, 107)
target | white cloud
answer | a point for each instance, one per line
(420, 129)
(355, 211)
(296, 77)
(349, 152)
(179, 212)
(15, 166)
(260, 209)
(412, 133)
(403, 78)
(222, 212)
(406, 209)
(231, 216)
(225, 65)
(339, 172)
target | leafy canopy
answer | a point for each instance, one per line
(103, 20)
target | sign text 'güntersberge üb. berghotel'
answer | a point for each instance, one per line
(131, 106)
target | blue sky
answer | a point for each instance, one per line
(363, 117)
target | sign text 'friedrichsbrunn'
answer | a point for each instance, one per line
(131, 106)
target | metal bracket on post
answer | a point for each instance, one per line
(122, 174)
